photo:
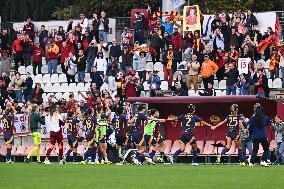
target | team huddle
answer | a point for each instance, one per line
(130, 138)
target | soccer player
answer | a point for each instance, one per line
(55, 121)
(188, 122)
(137, 134)
(234, 121)
(119, 123)
(90, 124)
(161, 143)
(72, 135)
(8, 130)
(35, 120)
(103, 126)
(149, 134)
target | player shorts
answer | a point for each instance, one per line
(188, 138)
(72, 141)
(159, 139)
(9, 139)
(136, 137)
(56, 137)
(120, 139)
(36, 138)
(233, 136)
(102, 139)
(149, 140)
(91, 139)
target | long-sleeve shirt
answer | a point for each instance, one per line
(154, 80)
(279, 134)
(258, 130)
(208, 68)
(101, 64)
(35, 120)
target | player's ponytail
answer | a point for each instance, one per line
(53, 111)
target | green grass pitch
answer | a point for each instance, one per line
(19, 175)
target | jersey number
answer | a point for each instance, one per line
(188, 121)
(233, 121)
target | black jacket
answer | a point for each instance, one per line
(156, 41)
(81, 63)
(92, 53)
(180, 92)
(208, 92)
(232, 77)
(115, 51)
(97, 79)
(127, 59)
(105, 22)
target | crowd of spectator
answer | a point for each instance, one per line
(81, 48)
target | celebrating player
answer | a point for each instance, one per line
(149, 137)
(90, 124)
(72, 135)
(234, 120)
(103, 127)
(188, 122)
(8, 127)
(35, 120)
(137, 137)
(55, 121)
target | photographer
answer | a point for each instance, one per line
(278, 127)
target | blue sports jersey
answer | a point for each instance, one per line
(8, 124)
(71, 124)
(119, 122)
(233, 123)
(90, 124)
(189, 122)
(139, 121)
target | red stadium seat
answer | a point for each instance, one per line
(21, 150)
(208, 149)
(175, 146)
(272, 145)
(188, 149)
(3, 150)
(200, 145)
(168, 144)
(14, 149)
(43, 150)
(233, 150)
(220, 148)
(81, 149)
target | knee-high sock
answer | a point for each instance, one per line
(75, 156)
(60, 153)
(93, 154)
(224, 151)
(48, 152)
(194, 155)
(87, 154)
(151, 155)
(8, 154)
(32, 151)
(38, 154)
(162, 154)
(68, 153)
(240, 155)
(138, 156)
(175, 155)
(100, 154)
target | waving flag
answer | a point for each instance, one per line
(178, 3)
(271, 40)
